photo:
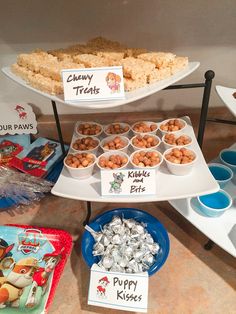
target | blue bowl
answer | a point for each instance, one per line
(154, 227)
(228, 157)
(221, 173)
(215, 204)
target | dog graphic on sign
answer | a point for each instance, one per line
(101, 288)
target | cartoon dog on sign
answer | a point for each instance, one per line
(113, 82)
(115, 185)
(101, 288)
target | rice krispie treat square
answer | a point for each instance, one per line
(136, 68)
(45, 84)
(23, 72)
(32, 61)
(131, 85)
(91, 61)
(159, 74)
(53, 69)
(160, 59)
(179, 63)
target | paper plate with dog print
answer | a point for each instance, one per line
(32, 260)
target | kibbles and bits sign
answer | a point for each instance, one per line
(128, 182)
(93, 84)
(120, 291)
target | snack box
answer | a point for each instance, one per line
(12, 145)
(32, 260)
(39, 157)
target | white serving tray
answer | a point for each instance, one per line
(168, 186)
(226, 95)
(221, 230)
(130, 96)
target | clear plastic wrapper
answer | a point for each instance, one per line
(20, 188)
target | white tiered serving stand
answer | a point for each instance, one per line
(177, 190)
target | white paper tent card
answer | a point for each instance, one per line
(128, 292)
(17, 119)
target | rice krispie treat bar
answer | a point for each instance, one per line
(136, 68)
(91, 61)
(53, 69)
(160, 59)
(32, 61)
(179, 63)
(131, 85)
(158, 75)
(37, 80)
(24, 73)
(134, 52)
(46, 84)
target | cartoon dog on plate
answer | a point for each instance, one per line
(41, 277)
(20, 277)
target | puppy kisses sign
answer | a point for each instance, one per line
(121, 291)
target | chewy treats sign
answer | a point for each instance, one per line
(120, 291)
(93, 84)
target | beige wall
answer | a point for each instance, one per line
(202, 30)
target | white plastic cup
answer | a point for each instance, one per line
(175, 132)
(146, 150)
(89, 122)
(108, 154)
(80, 173)
(135, 148)
(148, 123)
(122, 124)
(167, 145)
(111, 138)
(179, 169)
(94, 150)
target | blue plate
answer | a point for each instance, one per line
(154, 227)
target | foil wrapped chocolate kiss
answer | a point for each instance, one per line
(124, 245)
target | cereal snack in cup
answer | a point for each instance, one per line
(113, 160)
(88, 128)
(144, 127)
(172, 139)
(85, 144)
(172, 125)
(80, 165)
(120, 128)
(115, 142)
(146, 158)
(180, 161)
(145, 141)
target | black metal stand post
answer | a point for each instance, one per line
(58, 127)
(209, 75)
(89, 210)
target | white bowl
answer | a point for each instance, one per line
(179, 169)
(89, 122)
(167, 145)
(113, 152)
(111, 138)
(148, 123)
(142, 135)
(94, 150)
(122, 124)
(175, 132)
(147, 151)
(80, 173)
